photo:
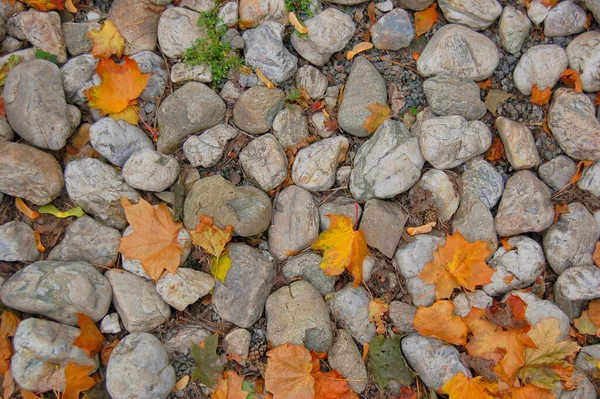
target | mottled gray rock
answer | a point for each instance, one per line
(139, 305)
(290, 125)
(6, 132)
(318, 121)
(540, 66)
(594, 7)
(183, 73)
(41, 29)
(241, 298)
(441, 190)
(255, 12)
(197, 5)
(575, 286)
(150, 62)
(565, 18)
(365, 86)
(150, 170)
(182, 340)
(451, 95)
(585, 389)
(460, 51)
(184, 287)
(465, 301)
(590, 181)
(307, 266)
(297, 314)
(264, 162)
(475, 222)
(393, 31)
(383, 224)
(482, 181)
(339, 206)
(178, 30)
(118, 140)
(78, 75)
(17, 243)
(43, 349)
(345, 357)
(233, 37)
(264, 49)
(110, 324)
(558, 172)
(139, 368)
(584, 56)
(74, 34)
(206, 149)
(75, 287)
(587, 358)
(573, 123)
(88, 241)
(537, 11)
(415, 5)
(328, 32)
(476, 14)
(97, 189)
(402, 316)
(350, 307)
(191, 109)
(228, 13)
(256, 109)
(295, 223)
(138, 24)
(513, 29)
(519, 144)
(237, 342)
(315, 166)
(387, 164)
(312, 80)
(540, 309)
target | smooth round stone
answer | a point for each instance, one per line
(393, 31)
(17, 243)
(256, 109)
(350, 307)
(307, 266)
(150, 170)
(513, 29)
(315, 166)
(584, 56)
(206, 150)
(476, 14)
(118, 140)
(482, 181)
(312, 80)
(451, 95)
(565, 18)
(540, 66)
(178, 30)
(264, 162)
(558, 172)
(290, 126)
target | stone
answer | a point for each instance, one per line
(519, 144)
(385, 6)
(256, 109)
(246, 208)
(35, 104)
(139, 368)
(10, 45)
(228, 13)
(350, 307)
(264, 49)
(295, 224)
(198, 5)
(464, 302)
(29, 173)
(42, 350)
(182, 340)
(402, 316)
(255, 12)
(575, 286)
(340, 206)
(110, 324)
(475, 222)
(364, 87)
(230, 92)
(319, 122)
(584, 390)
(78, 75)
(17, 243)
(594, 7)
(513, 29)
(345, 357)
(564, 19)
(241, 298)
(138, 24)
(138, 303)
(482, 181)
(587, 358)
(75, 36)
(90, 241)
(441, 190)
(571, 240)
(525, 206)
(97, 189)
(540, 66)
(387, 164)
(312, 80)
(178, 30)
(459, 51)
(328, 32)
(315, 166)
(558, 172)
(476, 14)
(290, 126)
(572, 121)
(237, 343)
(383, 224)
(307, 266)
(415, 5)
(393, 31)
(297, 314)
(75, 287)
(41, 29)
(184, 287)
(207, 149)
(150, 170)
(449, 141)
(590, 181)
(584, 56)
(264, 163)
(6, 132)
(433, 360)
(233, 37)
(451, 95)
(537, 11)
(118, 140)
(153, 63)
(183, 73)
(540, 309)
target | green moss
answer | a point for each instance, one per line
(300, 7)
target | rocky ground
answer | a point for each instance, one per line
(272, 165)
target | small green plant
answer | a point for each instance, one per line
(44, 55)
(300, 7)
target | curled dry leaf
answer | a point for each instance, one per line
(25, 210)
(494, 99)
(107, 41)
(571, 79)
(416, 55)
(379, 113)
(359, 48)
(438, 321)
(332, 385)
(462, 387)
(38, 241)
(550, 3)
(505, 244)
(425, 19)
(496, 151)
(596, 255)
(181, 384)
(485, 84)
(296, 23)
(540, 97)
(377, 308)
(90, 338)
(77, 380)
(263, 78)
(107, 351)
(559, 209)
(371, 13)
(426, 228)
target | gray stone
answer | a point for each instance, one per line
(482, 181)
(465, 301)
(584, 390)
(587, 358)
(318, 121)
(350, 307)
(590, 181)
(460, 51)
(182, 340)
(110, 324)
(198, 5)
(476, 14)
(307, 267)
(393, 31)
(565, 18)
(183, 73)
(364, 87)
(290, 125)
(97, 189)
(255, 12)
(383, 224)
(475, 222)
(519, 144)
(574, 287)
(246, 208)
(241, 298)
(584, 56)
(451, 95)
(264, 162)
(540, 66)
(228, 13)
(150, 62)
(6, 132)
(594, 7)
(315, 166)
(537, 11)
(340, 206)
(138, 24)
(573, 123)
(17, 243)
(558, 172)
(231, 92)
(256, 109)
(237, 342)
(328, 32)
(345, 357)
(74, 34)
(74, 287)
(41, 29)
(442, 192)
(139, 368)
(295, 223)
(513, 29)
(118, 140)
(191, 109)
(178, 30)
(233, 37)
(78, 75)
(139, 305)
(415, 5)
(42, 350)
(207, 149)
(540, 309)
(402, 316)
(312, 80)
(150, 170)
(88, 241)
(184, 287)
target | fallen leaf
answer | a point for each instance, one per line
(371, 13)
(494, 99)
(594, 311)
(596, 255)
(571, 79)
(530, 392)
(416, 55)
(438, 321)
(2, 107)
(505, 244)
(588, 21)
(359, 48)
(77, 380)
(25, 210)
(28, 395)
(341, 96)
(231, 386)
(288, 373)
(597, 102)
(379, 113)
(13, 61)
(263, 78)
(107, 351)
(518, 307)
(70, 7)
(407, 393)
(344, 248)
(425, 19)
(52, 210)
(377, 308)
(496, 151)
(8, 384)
(485, 84)
(210, 237)
(90, 339)
(46, 5)
(462, 387)
(426, 228)
(388, 363)
(331, 124)
(209, 364)
(8, 327)
(182, 383)
(540, 97)
(303, 30)
(559, 209)
(38, 241)
(581, 165)
(545, 125)
(366, 349)
(332, 385)
(220, 266)
(550, 3)
(154, 239)
(585, 325)
(107, 41)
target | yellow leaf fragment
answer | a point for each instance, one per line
(359, 48)
(181, 384)
(297, 24)
(379, 113)
(25, 210)
(263, 78)
(377, 308)
(426, 228)
(107, 41)
(210, 237)
(462, 387)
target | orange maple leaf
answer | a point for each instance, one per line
(288, 372)
(344, 248)
(571, 79)
(485, 84)
(332, 385)
(377, 308)
(530, 392)
(425, 19)
(438, 321)
(210, 237)
(359, 48)
(8, 327)
(154, 239)
(230, 387)
(540, 97)
(550, 3)
(379, 113)
(462, 387)
(458, 263)
(107, 41)
(77, 380)
(90, 339)
(45, 5)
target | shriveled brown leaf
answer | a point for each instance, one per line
(540, 97)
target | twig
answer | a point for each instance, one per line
(154, 135)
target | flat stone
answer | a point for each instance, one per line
(178, 30)
(41, 29)
(78, 75)
(451, 95)
(315, 166)
(312, 80)
(184, 287)
(475, 222)
(264, 163)
(75, 36)
(207, 149)
(17, 243)
(110, 324)
(340, 206)
(383, 224)
(255, 12)
(590, 181)
(558, 172)
(415, 5)
(476, 14)
(182, 340)
(393, 31)
(564, 19)
(183, 73)
(513, 29)
(118, 140)
(350, 307)
(519, 144)
(149, 170)
(540, 66)
(307, 266)
(256, 109)
(440, 190)
(402, 316)
(345, 357)
(575, 286)
(482, 181)
(138, 24)
(540, 309)
(290, 126)
(584, 56)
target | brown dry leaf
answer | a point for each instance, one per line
(77, 380)
(425, 19)
(288, 372)
(377, 308)
(341, 96)
(540, 97)
(303, 30)
(594, 311)
(332, 385)
(581, 165)
(438, 321)
(494, 99)
(8, 327)
(107, 350)
(505, 244)
(181, 384)
(416, 55)
(559, 209)
(597, 102)
(263, 78)
(154, 239)
(210, 237)
(359, 48)
(596, 255)
(38, 241)
(107, 41)
(25, 210)
(545, 125)
(90, 338)
(426, 228)
(571, 79)
(8, 384)
(379, 113)
(496, 151)
(485, 84)
(371, 13)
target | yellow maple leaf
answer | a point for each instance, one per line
(77, 380)
(154, 239)
(530, 392)
(438, 321)
(90, 339)
(379, 113)
(213, 240)
(377, 308)
(344, 248)
(462, 387)
(107, 41)
(458, 263)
